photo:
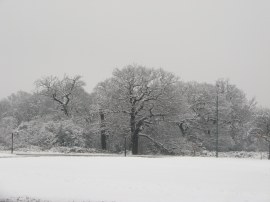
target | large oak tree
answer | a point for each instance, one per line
(141, 94)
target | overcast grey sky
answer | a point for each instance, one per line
(199, 40)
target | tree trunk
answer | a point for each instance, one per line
(103, 141)
(269, 151)
(134, 133)
(65, 110)
(102, 130)
(180, 126)
(158, 144)
(135, 143)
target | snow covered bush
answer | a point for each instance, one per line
(7, 125)
(68, 134)
(49, 134)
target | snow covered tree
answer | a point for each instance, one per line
(7, 125)
(61, 91)
(5, 107)
(238, 114)
(140, 94)
(199, 123)
(24, 106)
(261, 126)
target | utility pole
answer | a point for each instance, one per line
(217, 125)
(268, 140)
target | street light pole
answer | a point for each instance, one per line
(217, 125)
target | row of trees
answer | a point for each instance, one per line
(152, 108)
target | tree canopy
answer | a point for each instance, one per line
(151, 108)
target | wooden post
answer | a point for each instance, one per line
(125, 145)
(12, 143)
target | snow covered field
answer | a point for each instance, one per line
(136, 179)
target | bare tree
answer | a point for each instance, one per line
(60, 91)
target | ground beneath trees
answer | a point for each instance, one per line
(135, 179)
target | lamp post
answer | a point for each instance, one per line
(221, 88)
(217, 124)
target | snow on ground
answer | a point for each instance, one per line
(6, 154)
(136, 179)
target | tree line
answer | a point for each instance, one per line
(152, 109)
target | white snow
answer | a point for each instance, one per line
(6, 154)
(136, 179)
